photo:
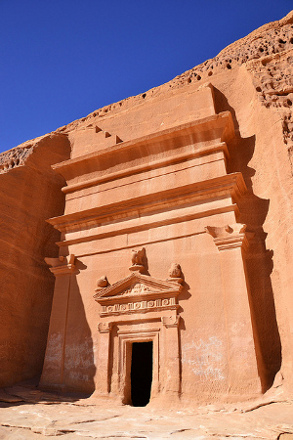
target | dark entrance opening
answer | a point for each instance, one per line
(141, 372)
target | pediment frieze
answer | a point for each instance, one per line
(137, 287)
(139, 293)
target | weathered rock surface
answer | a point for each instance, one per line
(259, 102)
(252, 79)
(40, 415)
(30, 192)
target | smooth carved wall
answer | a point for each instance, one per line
(168, 196)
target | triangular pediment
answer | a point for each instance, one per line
(137, 286)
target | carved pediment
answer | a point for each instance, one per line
(138, 293)
(137, 286)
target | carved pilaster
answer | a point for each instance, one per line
(103, 358)
(172, 358)
(231, 242)
(53, 370)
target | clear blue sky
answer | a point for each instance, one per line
(62, 59)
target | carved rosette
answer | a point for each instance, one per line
(230, 237)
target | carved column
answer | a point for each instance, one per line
(171, 380)
(232, 243)
(102, 376)
(53, 370)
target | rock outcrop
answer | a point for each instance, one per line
(30, 193)
(252, 80)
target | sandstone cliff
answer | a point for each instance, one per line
(252, 78)
(30, 192)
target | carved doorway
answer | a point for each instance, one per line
(138, 346)
(141, 372)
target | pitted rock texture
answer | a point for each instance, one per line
(252, 79)
(15, 157)
(272, 77)
(268, 40)
(267, 53)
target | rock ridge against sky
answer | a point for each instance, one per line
(55, 72)
(265, 42)
(249, 84)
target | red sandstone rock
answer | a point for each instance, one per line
(30, 192)
(198, 173)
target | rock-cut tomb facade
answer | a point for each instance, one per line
(161, 237)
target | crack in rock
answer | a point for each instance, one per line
(180, 430)
(95, 420)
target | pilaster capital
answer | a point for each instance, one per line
(170, 321)
(61, 265)
(230, 237)
(105, 327)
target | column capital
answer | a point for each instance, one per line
(61, 265)
(105, 327)
(170, 321)
(230, 237)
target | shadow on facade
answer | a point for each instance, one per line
(259, 264)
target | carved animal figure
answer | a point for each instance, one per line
(103, 282)
(137, 257)
(175, 271)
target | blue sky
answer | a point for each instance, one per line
(62, 59)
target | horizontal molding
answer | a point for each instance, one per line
(150, 225)
(219, 126)
(228, 185)
(175, 159)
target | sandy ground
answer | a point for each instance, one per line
(28, 413)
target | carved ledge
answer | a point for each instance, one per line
(61, 265)
(230, 237)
